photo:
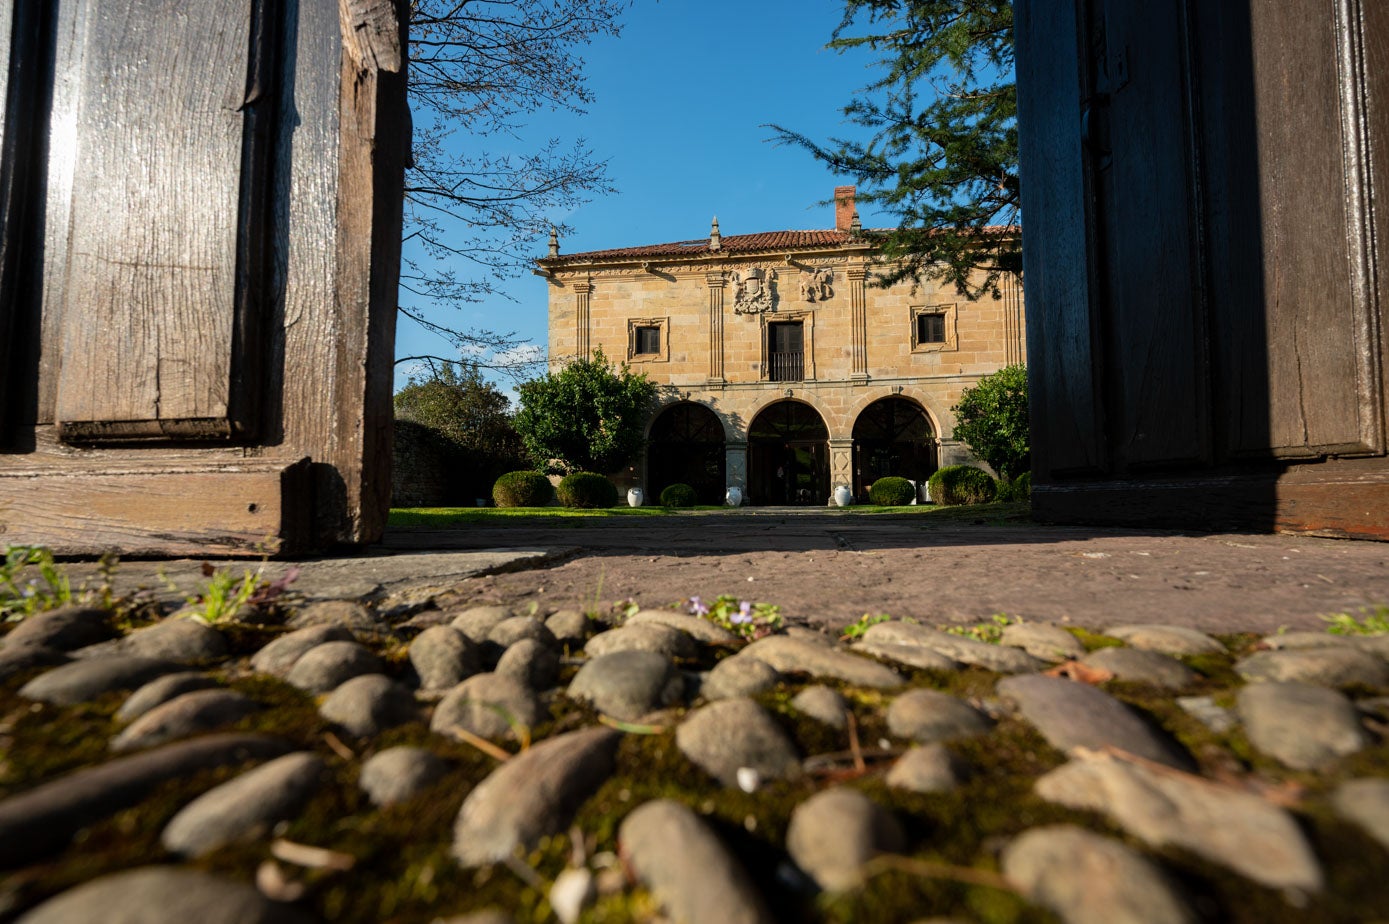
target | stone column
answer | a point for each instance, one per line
(582, 292)
(858, 296)
(716, 283)
(842, 464)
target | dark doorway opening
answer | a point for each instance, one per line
(685, 446)
(788, 456)
(892, 436)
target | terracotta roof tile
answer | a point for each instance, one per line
(731, 244)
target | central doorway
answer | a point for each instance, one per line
(893, 436)
(685, 446)
(788, 456)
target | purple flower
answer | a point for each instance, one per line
(697, 607)
(744, 614)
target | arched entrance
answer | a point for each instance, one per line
(788, 456)
(892, 436)
(685, 446)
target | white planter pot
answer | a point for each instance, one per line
(843, 497)
(634, 497)
(734, 497)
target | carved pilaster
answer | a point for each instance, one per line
(716, 284)
(582, 292)
(841, 462)
(858, 321)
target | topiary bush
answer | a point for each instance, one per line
(679, 495)
(1019, 489)
(891, 491)
(522, 489)
(587, 489)
(962, 484)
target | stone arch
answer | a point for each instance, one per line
(685, 444)
(788, 454)
(893, 435)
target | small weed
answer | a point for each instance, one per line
(1372, 621)
(991, 631)
(741, 617)
(31, 581)
(856, 629)
(225, 594)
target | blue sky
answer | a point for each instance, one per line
(683, 98)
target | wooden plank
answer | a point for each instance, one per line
(1343, 499)
(147, 334)
(1152, 302)
(1058, 275)
(1376, 45)
(238, 511)
(9, 231)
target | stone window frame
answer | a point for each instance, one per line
(807, 319)
(661, 324)
(951, 342)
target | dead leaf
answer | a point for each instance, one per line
(1080, 673)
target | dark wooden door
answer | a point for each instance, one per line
(201, 214)
(1206, 327)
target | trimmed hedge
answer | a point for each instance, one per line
(522, 489)
(891, 491)
(679, 495)
(587, 489)
(962, 484)
(1019, 489)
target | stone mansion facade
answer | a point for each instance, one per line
(782, 369)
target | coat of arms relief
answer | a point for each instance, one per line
(752, 291)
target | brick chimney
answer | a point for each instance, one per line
(844, 210)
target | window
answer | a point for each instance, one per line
(785, 352)
(933, 329)
(930, 327)
(647, 340)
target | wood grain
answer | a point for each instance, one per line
(152, 254)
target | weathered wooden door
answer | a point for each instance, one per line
(200, 209)
(1205, 287)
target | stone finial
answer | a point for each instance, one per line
(855, 226)
(714, 240)
(554, 242)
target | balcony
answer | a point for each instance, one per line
(786, 367)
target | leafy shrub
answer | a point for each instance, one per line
(522, 489)
(962, 484)
(991, 419)
(679, 495)
(891, 491)
(1019, 489)
(587, 489)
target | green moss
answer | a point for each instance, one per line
(1093, 640)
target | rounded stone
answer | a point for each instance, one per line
(66, 628)
(798, 655)
(443, 658)
(278, 656)
(738, 676)
(1135, 665)
(1169, 640)
(477, 621)
(531, 662)
(628, 684)
(368, 705)
(1365, 802)
(244, 807)
(1303, 725)
(696, 627)
(323, 668)
(1089, 879)
(346, 614)
(929, 768)
(398, 774)
(570, 627)
(1050, 643)
(488, 705)
(17, 659)
(834, 833)
(823, 704)
(510, 631)
(160, 691)
(80, 681)
(1332, 667)
(959, 648)
(163, 895)
(724, 737)
(187, 641)
(925, 716)
(651, 637)
(198, 711)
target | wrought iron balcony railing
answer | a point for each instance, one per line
(785, 367)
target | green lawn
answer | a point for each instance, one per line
(446, 517)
